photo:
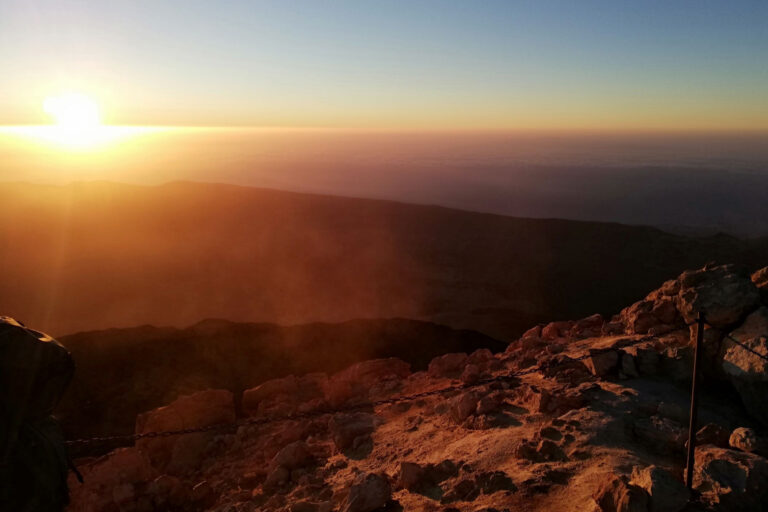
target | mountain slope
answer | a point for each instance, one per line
(112, 255)
(593, 417)
(122, 372)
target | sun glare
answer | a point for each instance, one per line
(77, 119)
(73, 111)
(77, 126)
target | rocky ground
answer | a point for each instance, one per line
(595, 420)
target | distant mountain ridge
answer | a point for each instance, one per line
(112, 255)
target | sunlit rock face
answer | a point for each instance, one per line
(590, 423)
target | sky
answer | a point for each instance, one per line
(688, 65)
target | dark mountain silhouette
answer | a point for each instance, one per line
(99, 255)
(122, 372)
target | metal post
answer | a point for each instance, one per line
(694, 401)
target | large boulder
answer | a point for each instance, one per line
(746, 439)
(284, 395)
(350, 430)
(588, 327)
(112, 480)
(746, 369)
(369, 492)
(666, 493)
(615, 494)
(731, 480)
(366, 380)
(725, 294)
(201, 409)
(448, 365)
(655, 314)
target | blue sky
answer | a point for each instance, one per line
(640, 65)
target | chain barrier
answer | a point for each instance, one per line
(354, 407)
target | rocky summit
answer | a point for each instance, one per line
(584, 415)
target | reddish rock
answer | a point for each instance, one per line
(666, 493)
(447, 366)
(463, 406)
(369, 492)
(660, 434)
(471, 374)
(346, 428)
(533, 332)
(601, 363)
(293, 456)
(745, 439)
(730, 480)
(589, 327)
(201, 409)
(760, 278)
(724, 293)
(283, 396)
(746, 369)
(556, 330)
(614, 494)
(712, 433)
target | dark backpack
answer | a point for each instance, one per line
(35, 370)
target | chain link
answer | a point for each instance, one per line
(511, 377)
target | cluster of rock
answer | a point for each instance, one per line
(576, 409)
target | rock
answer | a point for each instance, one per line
(308, 506)
(167, 492)
(345, 428)
(589, 327)
(411, 477)
(741, 363)
(526, 450)
(601, 363)
(471, 374)
(645, 356)
(666, 493)
(490, 403)
(731, 480)
(746, 370)
(418, 478)
(494, 481)
(628, 367)
(203, 495)
(614, 494)
(760, 278)
(284, 395)
(556, 330)
(677, 363)
(365, 380)
(660, 434)
(533, 332)
(549, 450)
(674, 411)
(369, 492)
(463, 406)
(725, 294)
(202, 409)
(745, 439)
(464, 490)
(275, 479)
(712, 433)
(654, 314)
(480, 357)
(293, 456)
(552, 403)
(447, 366)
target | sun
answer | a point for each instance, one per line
(77, 119)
